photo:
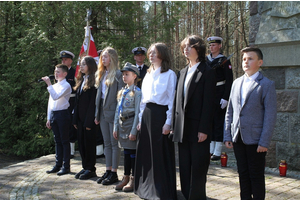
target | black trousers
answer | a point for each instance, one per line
(87, 146)
(251, 169)
(72, 130)
(193, 167)
(59, 122)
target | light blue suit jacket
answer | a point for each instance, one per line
(256, 119)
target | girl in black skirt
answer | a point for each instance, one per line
(155, 176)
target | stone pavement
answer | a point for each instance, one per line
(29, 180)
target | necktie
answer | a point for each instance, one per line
(140, 68)
(122, 100)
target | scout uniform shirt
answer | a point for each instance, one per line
(127, 116)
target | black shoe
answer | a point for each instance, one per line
(71, 156)
(104, 176)
(87, 175)
(53, 170)
(63, 171)
(214, 158)
(112, 178)
(79, 173)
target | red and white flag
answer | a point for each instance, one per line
(88, 48)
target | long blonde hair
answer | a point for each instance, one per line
(113, 67)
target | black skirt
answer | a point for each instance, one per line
(155, 175)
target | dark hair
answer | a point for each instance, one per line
(92, 66)
(254, 49)
(197, 43)
(63, 67)
(162, 52)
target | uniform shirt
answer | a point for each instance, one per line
(246, 85)
(131, 106)
(189, 75)
(159, 88)
(104, 85)
(59, 96)
(140, 66)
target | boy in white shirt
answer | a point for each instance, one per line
(58, 118)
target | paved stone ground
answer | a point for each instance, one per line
(29, 180)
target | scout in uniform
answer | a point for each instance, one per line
(139, 57)
(125, 123)
(217, 61)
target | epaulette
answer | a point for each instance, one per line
(137, 88)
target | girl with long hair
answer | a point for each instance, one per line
(83, 119)
(108, 82)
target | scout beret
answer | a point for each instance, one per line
(130, 67)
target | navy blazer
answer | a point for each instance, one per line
(256, 119)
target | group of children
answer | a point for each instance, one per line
(117, 109)
(109, 97)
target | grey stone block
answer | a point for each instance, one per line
(295, 128)
(293, 78)
(253, 27)
(287, 101)
(290, 153)
(271, 155)
(275, 74)
(281, 131)
(253, 8)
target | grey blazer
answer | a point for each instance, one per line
(255, 119)
(110, 98)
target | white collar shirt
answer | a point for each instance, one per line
(104, 85)
(159, 88)
(83, 82)
(189, 75)
(59, 97)
(248, 81)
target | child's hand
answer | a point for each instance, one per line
(115, 134)
(96, 121)
(87, 128)
(228, 144)
(132, 137)
(47, 80)
(166, 129)
(138, 127)
(75, 126)
(261, 149)
(48, 124)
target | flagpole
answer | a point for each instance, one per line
(88, 14)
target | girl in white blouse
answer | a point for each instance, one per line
(155, 151)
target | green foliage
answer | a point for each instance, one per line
(32, 33)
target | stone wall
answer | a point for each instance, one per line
(275, 28)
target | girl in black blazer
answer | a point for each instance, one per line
(84, 113)
(192, 118)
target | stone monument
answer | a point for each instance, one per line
(275, 29)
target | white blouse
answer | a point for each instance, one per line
(159, 88)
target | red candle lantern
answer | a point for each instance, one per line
(224, 158)
(282, 168)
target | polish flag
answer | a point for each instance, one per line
(88, 48)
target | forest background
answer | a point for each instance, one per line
(32, 34)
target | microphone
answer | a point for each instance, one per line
(51, 77)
